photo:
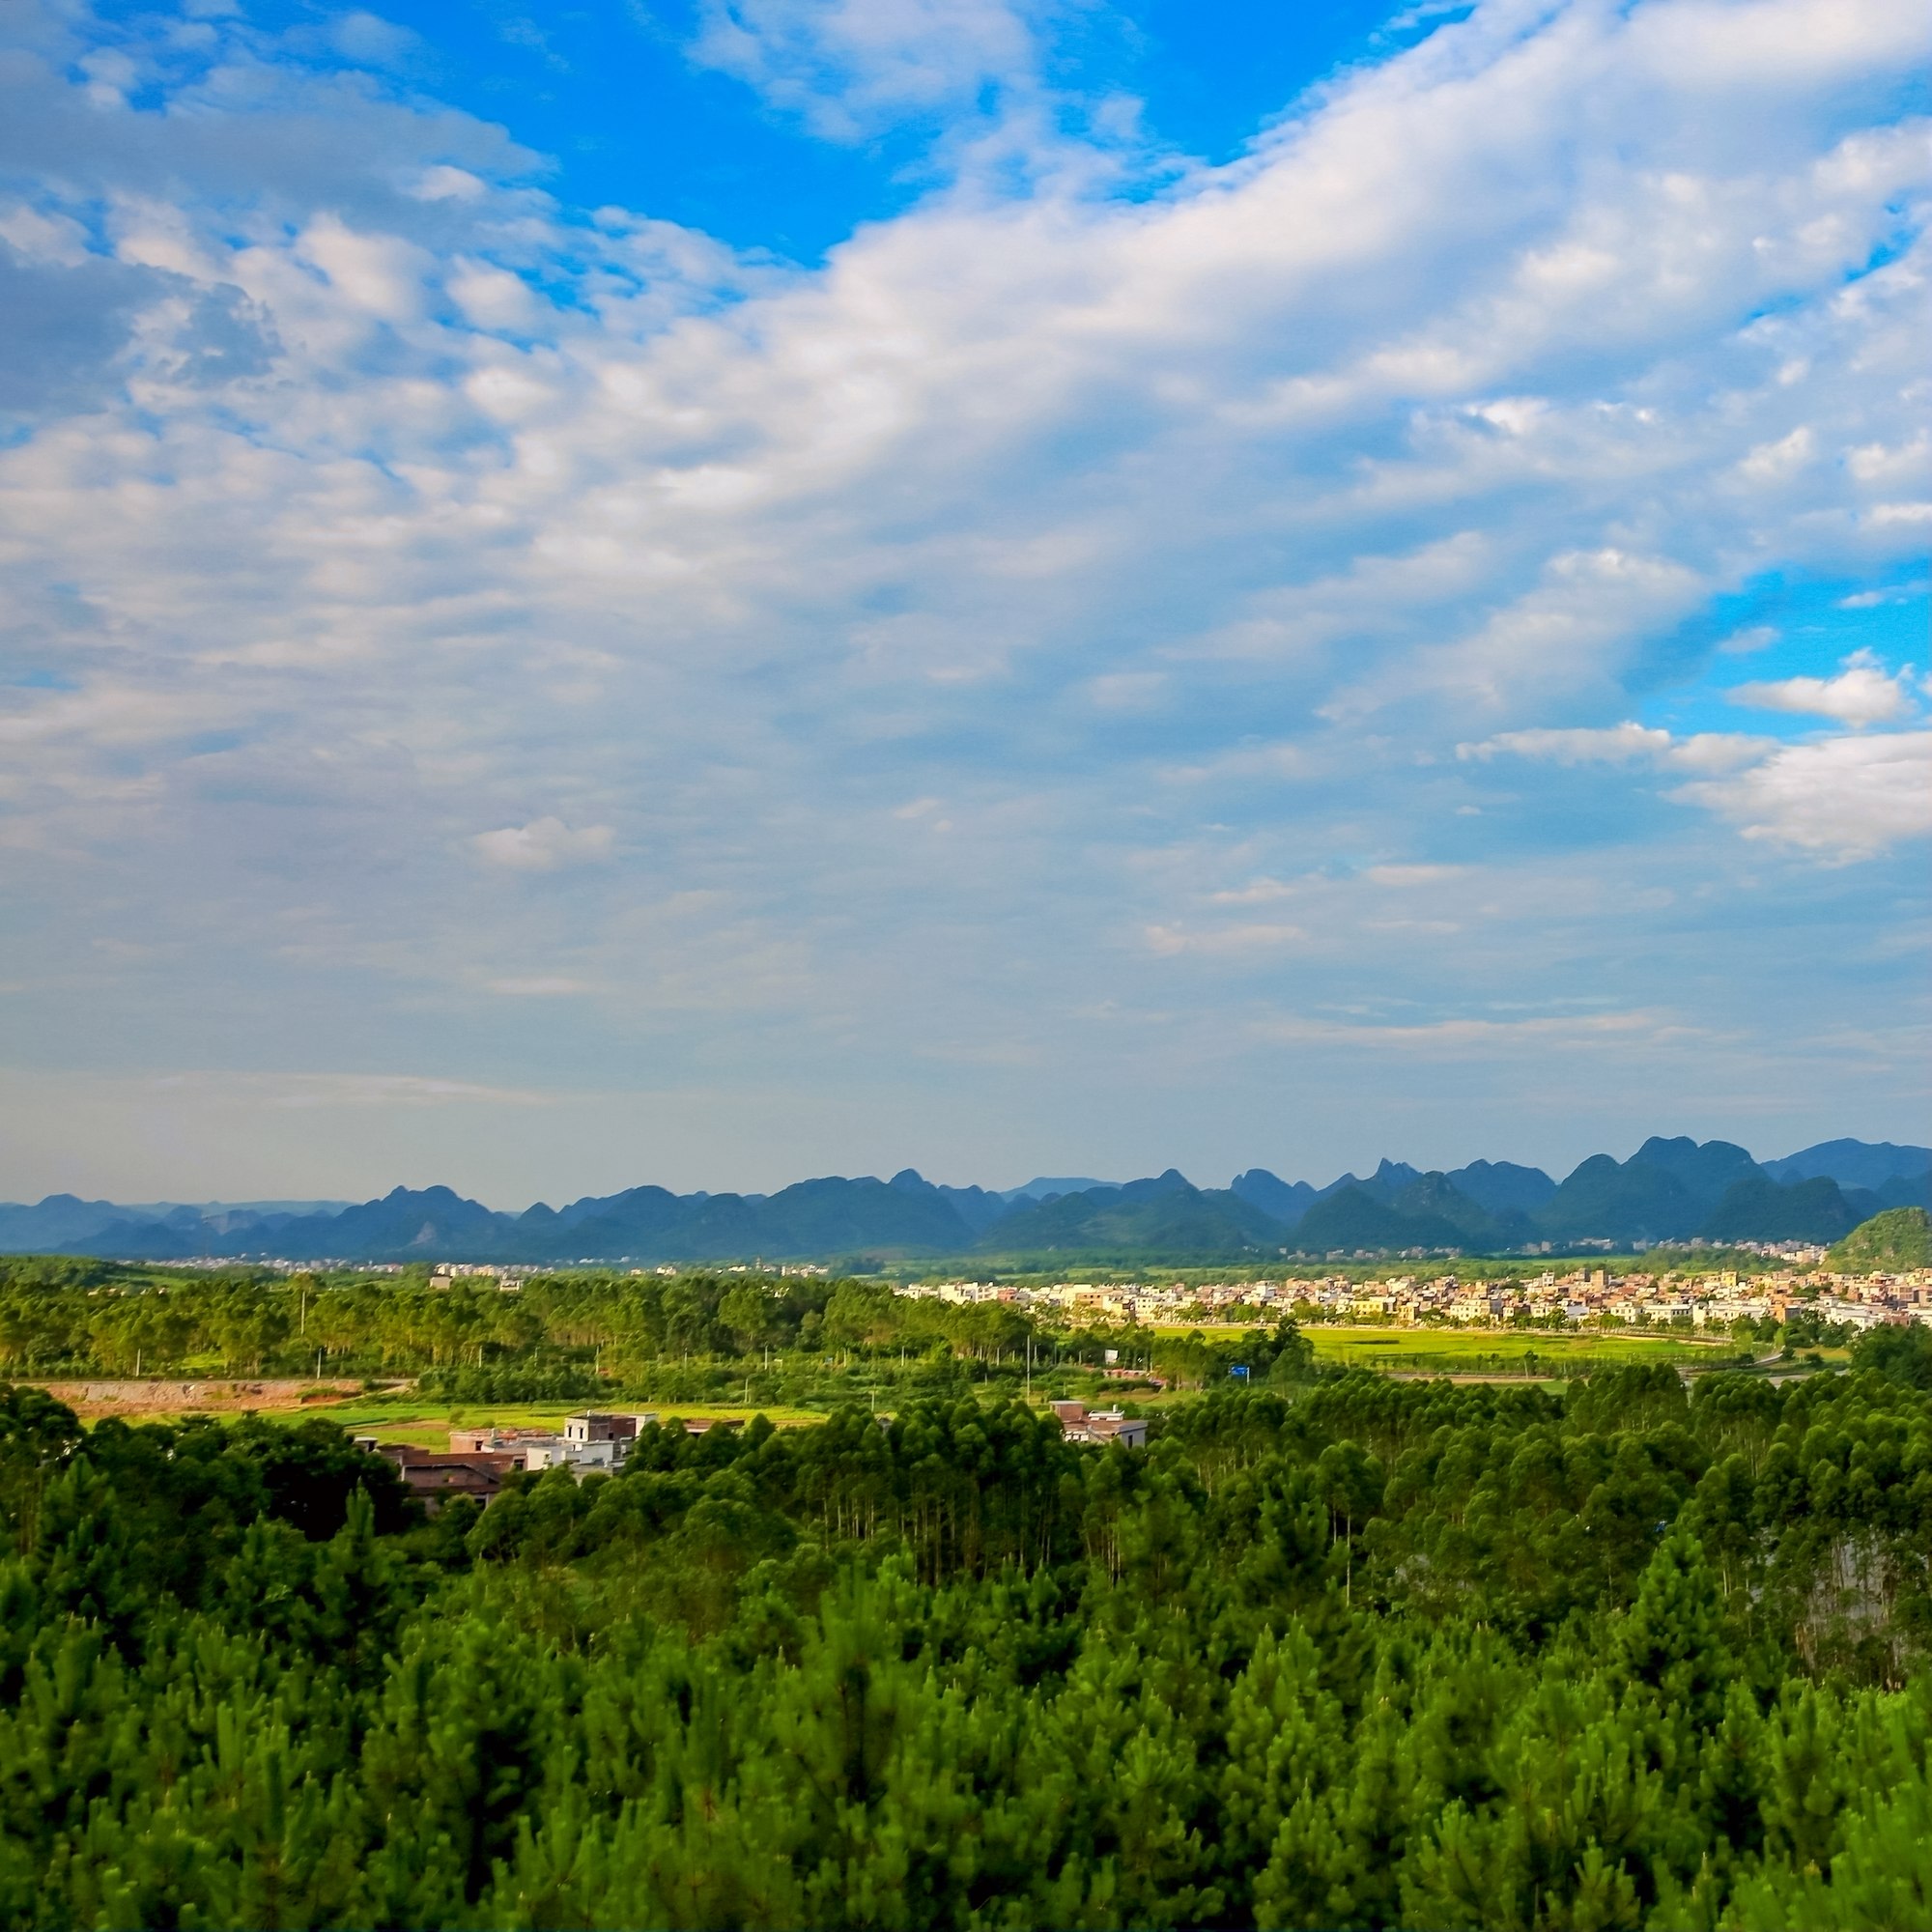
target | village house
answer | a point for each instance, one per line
(1080, 1424)
(433, 1477)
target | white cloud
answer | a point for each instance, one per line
(1583, 745)
(1776, 462)
(1847, 797)
(1472, 1036)
(852, 66)
(380, 273)
(1255, 936)
(1431, 418)
(1258, 891)
(349, 1090)
(494, 298)
(1624, 743)
(1716, 751)
(1895, 463)
(1128, 690)
(1860, 694)
(544, 845)
(1413, 875)
(1873, 600)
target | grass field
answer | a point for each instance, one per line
(424, 1421)
(1490, 1351)
(425, 1424)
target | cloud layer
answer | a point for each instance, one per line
(897, 679)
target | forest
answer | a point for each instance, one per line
(776, 1341)
(1335, 1652)
(780, 1342)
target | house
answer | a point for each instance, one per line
(555, 1452)
(434, 1477)
(599, 1425)
(1080, 1424)
(489, 1439)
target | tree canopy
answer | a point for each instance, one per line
(1901, 1238)
(1330, 1652)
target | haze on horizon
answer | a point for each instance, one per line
(711, 595)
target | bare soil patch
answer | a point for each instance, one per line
(94, 1399)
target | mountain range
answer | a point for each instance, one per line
(1669, 1190)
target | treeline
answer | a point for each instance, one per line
(564, 1337)
(1361, 1654)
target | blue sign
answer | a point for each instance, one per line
(1240, 1372)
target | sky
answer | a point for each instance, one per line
(710, 593)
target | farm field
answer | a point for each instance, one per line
(424, 1421)
(426, 1425)
(1466, 1352)
(1486, 1352)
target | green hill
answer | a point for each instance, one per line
(1759, 1208)
(1901, 1238)
(1354, 1219)
(1164, 1216)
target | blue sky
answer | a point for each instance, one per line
(714, 593)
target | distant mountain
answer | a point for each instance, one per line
(1277, 1199)
(646, 1224)
(1428, 1211)
(1383, 1185)
(1041, 1186)
(1436, 1197)
(435, 1222)
(974, 1206)
(1354, 1218)
(1497, 1188)
(1900, 1191)
(1670, 1189)
(1605, 1198)
(1390, 1179)
(1166, 1215)
(1663, 1192)
(1500, 1185)
(1866, 1164)
(811, 1218)
(839, 1216)
(1756, 1208)
(1703, 1171)
(58, 1220)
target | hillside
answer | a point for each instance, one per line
(1757, 1208)
(1355, 1220)
(1901, 1238)
(1866, 1164)
(1669, 1190)
(1163, 1215)
(1426, 1211)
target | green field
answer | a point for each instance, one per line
(425, 1423)
(1502, 1352)
(1483, 1351)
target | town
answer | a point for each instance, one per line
(1585, 1295)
